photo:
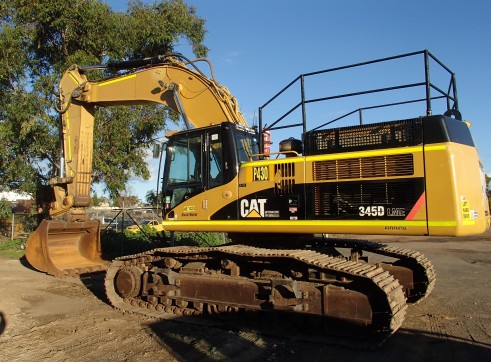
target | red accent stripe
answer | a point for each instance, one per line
(416, 207)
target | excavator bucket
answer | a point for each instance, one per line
(63, 248)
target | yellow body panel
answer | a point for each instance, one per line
(456, 199)
(449, 205)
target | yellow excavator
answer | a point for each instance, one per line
(419, 176)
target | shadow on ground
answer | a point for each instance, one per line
(251, 336)
(241, 343)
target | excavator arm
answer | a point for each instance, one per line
(200, 100)
(58, 247)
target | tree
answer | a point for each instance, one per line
(151, 197)
(99, 200)
(39, 40)
(5, 209)
(126, 201)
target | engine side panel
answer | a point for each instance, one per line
(413, 177)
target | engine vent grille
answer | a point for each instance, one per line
(335, 200)
(363, 167)
(284, 175)
(370, 136)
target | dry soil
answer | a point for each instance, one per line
(71, 320)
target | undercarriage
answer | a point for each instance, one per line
(310, 281)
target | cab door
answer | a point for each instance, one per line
(184, 177)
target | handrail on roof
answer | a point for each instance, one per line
(450, 95)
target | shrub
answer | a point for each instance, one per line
(116, 244)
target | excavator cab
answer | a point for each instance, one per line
(199, 162)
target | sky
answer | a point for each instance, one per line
(257, 47)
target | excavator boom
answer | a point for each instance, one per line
(73, 245)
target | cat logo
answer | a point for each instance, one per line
(252, 208)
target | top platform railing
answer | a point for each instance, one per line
(450, 95)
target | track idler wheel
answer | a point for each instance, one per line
(128, 282)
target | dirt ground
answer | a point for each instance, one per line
(70, 319)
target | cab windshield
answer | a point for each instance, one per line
(247, 145)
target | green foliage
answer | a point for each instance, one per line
(153, 29)
(151, 197)
(5, 209)
(98, 200)
(116, 244)
(12, 249)
(122, 139)
(39, 40)
(11, 244)
(200, 239)
(126, 201)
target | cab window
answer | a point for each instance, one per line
(215, 160)
(185, 163)
(246, 146)
(185, 173)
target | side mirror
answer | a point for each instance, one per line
(158, 148)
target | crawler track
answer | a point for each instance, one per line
(423, 271)
(177, 281)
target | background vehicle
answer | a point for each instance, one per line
(154, 224)
(418, 176)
